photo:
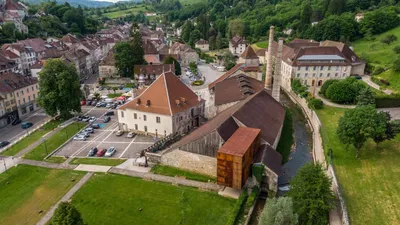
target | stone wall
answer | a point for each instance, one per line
(190, 161)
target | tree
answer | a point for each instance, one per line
(67, 214)
(278, 212)
(124, 60)
(195, 35)
(389, 133)
(60, 91)
(388, 39)
(218, 41)
(312, 196)
(326, 85)
(306, 13)
(138, 56)
(336, 6)
(396, 65)
(114, 88)
(366, 97)
(344, 91)
(359, 124)
(172, 60)
(396, 49)
(229, 60)
(236, 27)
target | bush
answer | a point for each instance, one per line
(344, 91)
(378, 70)
(326, 85)
(396, 65)
(396, 49)
(395, 126)
(299, 89)
(388, 39)
(315, 103)
(252, 197)
(236, 209)
(197, 83)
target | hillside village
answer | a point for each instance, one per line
(154, 124)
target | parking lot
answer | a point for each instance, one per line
(104, 138)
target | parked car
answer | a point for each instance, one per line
(108, 105)
(110, 113)
(114, 106)
(26, 125)
(15, 122)
(89, 130)
(358, 77)
(92, 151)
(85, 134)
(79, 118)
(119, 133)
(95, 126)
(99, 104)
(89, 102)
(80, 138)
(92, 119)
(85, 118)
(106, 119)
(130, 135)
(4, 144)
(103, 104)
(94, 103)
(83, 102)
(100, 152)
(110, 151)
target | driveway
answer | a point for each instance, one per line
(394, 112)
(210, 74)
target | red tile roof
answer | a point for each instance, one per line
(151, 59)
(249, 53)
(240, 141)
(163, 95)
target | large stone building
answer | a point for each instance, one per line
(146, 74)
(107, 67)
(315, 62)
(166, 107)
(185, 53)
(203, 45)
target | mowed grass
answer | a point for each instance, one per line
(110, 199)
(25, 190)
(122, 13)
(97, 161)
(370, 183)
(173, 171)
(33, 137)
(114, 95)
(52, 143)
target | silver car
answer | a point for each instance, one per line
(130, 135)
(80, 138)
(110, 151)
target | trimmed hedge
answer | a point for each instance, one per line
(388, 101)
(236, 209)
(315, 103)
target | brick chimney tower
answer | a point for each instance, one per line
(276, 89)
(268, 75)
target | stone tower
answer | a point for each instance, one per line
(276, 89)
(268, 75)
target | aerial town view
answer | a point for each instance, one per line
(199, 112)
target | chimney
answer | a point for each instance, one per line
(178, 102)
(268, 75)
(138, 101)
(147, 103)
(183, 100)
(198, 97)
(276, 89)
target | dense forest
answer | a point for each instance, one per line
(219, 20)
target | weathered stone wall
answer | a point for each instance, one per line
(272, 180)
(190, 161)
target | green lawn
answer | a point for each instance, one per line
(370, 183)
(173, 171)
(97, 161)
(116, 199)
(122, 13)
(114, 95)
(25, 190)
(25, 142)
(381, 54)
(286, 141)
(54, 141)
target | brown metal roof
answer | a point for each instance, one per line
(163, 94)
(240, 141)
(236, 88)
(249, 53)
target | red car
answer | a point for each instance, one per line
(83, 102)
(101, 152)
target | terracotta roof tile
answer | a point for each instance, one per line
(249, 53)
(151, 59)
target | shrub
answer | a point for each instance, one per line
(344, 91)
(252, 197)
(197, 83)
(378, 70)
(388, 39)
(315, 103)
(396, 65)
(236, 209)
(396, 49)
(387, 101)
(395, 126)
(326, 85)
(299, 89)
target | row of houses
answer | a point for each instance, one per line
(13, 12)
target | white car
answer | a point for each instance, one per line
(92, 119)
(130, 135)
(80, 138)
(110, 151)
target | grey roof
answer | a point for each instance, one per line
(268, 156)
(320, 57)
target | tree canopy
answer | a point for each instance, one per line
(278, 212)
(312, 196)
(60, 91)
(66, 214)
(171, 60)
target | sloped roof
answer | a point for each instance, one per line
(236, 40)
(37, 44)
(163, 95)
(236, 88)
(153, 69)
(149, 48)
(270, 158)
(249, 53)
(11, 5)
(69, 38)
(201, 42)
(344, 49)
(226, 75)
(10, 82)
(109, 60)
(261, 52)
(151, 59)
(240, 141)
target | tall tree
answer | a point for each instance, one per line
(138, 57)
(388, 133)
(278, 212)
(366, 97)
(359, 124)
(236, 27)
(336, 6)
(194, 36)
(312, 196)
(218, 41)
(67, 214)
(306, 13)
(59, 88)
(171, 60)
(124, 60)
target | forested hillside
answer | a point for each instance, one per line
(219, 20)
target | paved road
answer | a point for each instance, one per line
(7, 162)
(10, 133)
(394, 112)
(367, 80)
